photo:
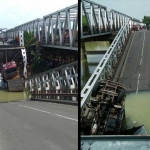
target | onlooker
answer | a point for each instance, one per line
(3, 40)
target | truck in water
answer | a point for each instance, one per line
(11, 74)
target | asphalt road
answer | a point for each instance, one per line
(29, 125)
(135, 74)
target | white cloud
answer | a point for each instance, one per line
(16, 12)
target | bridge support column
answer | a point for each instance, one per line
(83, 51)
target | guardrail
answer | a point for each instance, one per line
(107, 65)
(56, 84)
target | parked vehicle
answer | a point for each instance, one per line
(135, 27)
(12, 41)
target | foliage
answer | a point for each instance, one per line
(146, 20)
(84, 21)
(38, 63)
(29, 39)
(37, 60)
(37, 56)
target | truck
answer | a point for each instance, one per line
(12, 76)
(105, 111)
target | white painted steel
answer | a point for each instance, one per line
(23, 51)
(100, 21)
(21, 38)
(61, 80)
(105, 68)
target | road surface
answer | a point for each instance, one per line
(31, 125)
(135, 74)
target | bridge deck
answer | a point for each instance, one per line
(38, 125)
(135, 74)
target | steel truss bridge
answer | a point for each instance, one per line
(126, 45)
(58, 29)
(100, 21)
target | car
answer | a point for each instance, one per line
(12, 41)
(135, 27)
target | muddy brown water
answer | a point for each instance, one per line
(137, 108)
(6, 96)
(88, 65)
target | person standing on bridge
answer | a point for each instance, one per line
(3, 40)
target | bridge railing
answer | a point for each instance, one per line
(108, 64)
(56, 84)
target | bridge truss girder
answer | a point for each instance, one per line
(100, 21)
(45, 29)
(65, 20)
(96, 17)
(63, 80)
(106, 67)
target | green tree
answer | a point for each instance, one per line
(146, 20)
(37, 59)
(84, 21)
(29, 39)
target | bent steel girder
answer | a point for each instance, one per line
(107, 65)
(62, 80)
(97, 21)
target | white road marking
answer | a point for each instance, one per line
(49, 112)
(141, 61)
(143, 44)
(138, 83)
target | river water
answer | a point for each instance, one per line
(6, 96)
(136, 105)
(88, 65)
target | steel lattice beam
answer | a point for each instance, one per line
(105, 68)
(99, 21)
(63, 80)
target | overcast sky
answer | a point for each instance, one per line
(134, 8)
(17, 12)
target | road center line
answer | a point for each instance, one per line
(48, 112)
(141, 61)
(143, 44)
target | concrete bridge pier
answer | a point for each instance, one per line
(83, 51)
